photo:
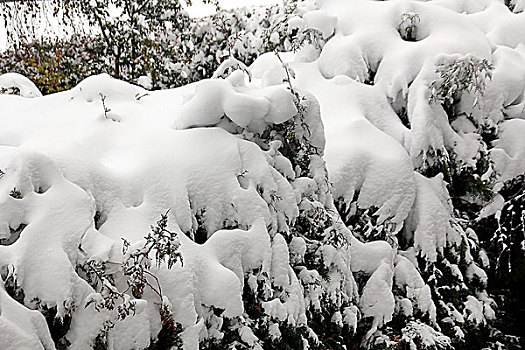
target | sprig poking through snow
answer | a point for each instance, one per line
(137, 263)
(136, 269)
(407, 28)
(457, 74)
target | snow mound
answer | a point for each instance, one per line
(406, 276)
(252, 109)
(215, 271)
(368, 164)
(501, 26)
(364, 143)
(372, 39)
(22, 328)
(377, 300)
(18, 85)
(429, 219)
(509, 150)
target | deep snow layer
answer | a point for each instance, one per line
(128, 162)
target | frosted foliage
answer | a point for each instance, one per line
(460, 73)
(418, 333)
(397, 86)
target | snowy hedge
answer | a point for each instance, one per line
(363, 192)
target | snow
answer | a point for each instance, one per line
(274, 331)
(368, 163)
(365, 74)
(429, 219)
(350, 317)
(351, 127)
(474, 310)
(252, 111)
(131, 331)
(216, 270)
(505, 92)
(367, 257)
(495, 205)
(509, 151)
(418, 293)
(321, 21)
(14, 80)
(377, 299)
(369, 153)
(192, 335)
(366, 39)
(100, 162)
(116, 168)
(280, 262)
(22, 328)
(501, 26)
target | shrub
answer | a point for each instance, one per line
(457, 75)
(135, 269)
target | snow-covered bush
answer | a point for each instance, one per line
(16, 84)
(467, 74)
(500, 227)
(515, 6)
(136, 270)
(306, 213)
(462, 80)
(463, 179)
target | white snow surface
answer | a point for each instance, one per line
(127, 162)
(22, 328)
(128, 154)
(25, 86)
(367, 40)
